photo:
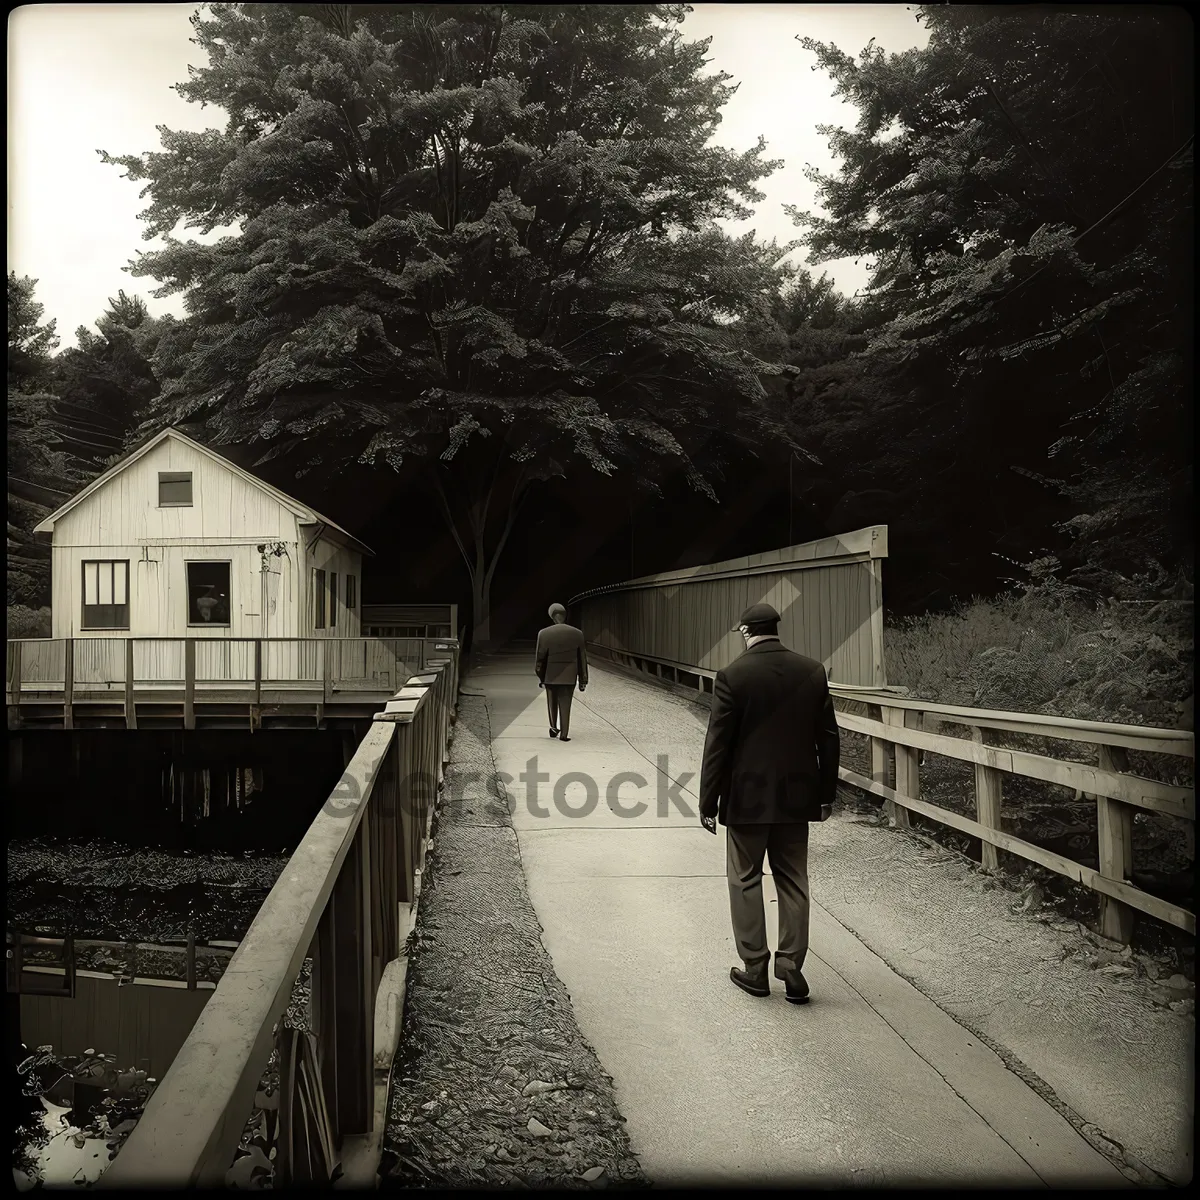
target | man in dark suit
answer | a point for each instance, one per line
(770, 767)
(560, 662)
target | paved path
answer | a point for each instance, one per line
(869, 1084)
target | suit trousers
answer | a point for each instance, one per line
(787, 847)
(558, 705)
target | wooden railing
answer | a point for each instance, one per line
(893, 724)
(345, 901)
(82, 669)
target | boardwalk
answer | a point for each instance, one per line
(872, 1083)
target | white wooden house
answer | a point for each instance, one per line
(176, 541)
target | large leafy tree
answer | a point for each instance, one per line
(1023, 185)
(473, 243)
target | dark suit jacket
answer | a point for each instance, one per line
(561, 656)
(772, 749)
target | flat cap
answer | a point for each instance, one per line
(757, 614)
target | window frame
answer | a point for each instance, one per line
(187, 591)
(351, 593)
(177, 477)
(318, 592)
(333, 599)
(84, 606)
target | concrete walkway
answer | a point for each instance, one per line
(870, 1084)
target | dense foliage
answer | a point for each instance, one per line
(69, 416)
(1015, 379)
(473, 242)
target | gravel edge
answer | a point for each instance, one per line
(493, 1084)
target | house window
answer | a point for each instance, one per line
(174, 489)
(106, 595)
(332, 599)
(208, 593)
(351, 593)
(318, 591)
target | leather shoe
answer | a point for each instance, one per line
(795, 985)
(754, 982)
(562, 737)
(554, 733)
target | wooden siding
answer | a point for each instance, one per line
(125, 510)
(228, 519)
(830, 609)
(143, 1025)
(158, 596)
(327, 557)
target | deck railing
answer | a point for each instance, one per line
(345, 900)
(135, 668)
(893, 723)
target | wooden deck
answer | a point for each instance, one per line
(198, 683)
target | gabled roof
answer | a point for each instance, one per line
(307, 514)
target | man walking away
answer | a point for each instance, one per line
(770, 767)
(560, 662)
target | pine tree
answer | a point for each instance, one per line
(474, 244)
(1023, 186)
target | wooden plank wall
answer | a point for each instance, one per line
(144, 1025)
(826, 614)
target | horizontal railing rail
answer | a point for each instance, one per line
(344, 902)
(79, 670)
(897, 741)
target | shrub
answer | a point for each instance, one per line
(1049, 647)
(26, 622)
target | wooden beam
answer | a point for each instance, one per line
(258, 672)
(907, 771)
(1166, 798)
(353, 1027)
(1114, 827)
(1151, 740)
(189, 683)
(69, 683)
(878, 662)
(130, 702)
(1172, 914)
(189, 1129)
(14, 672)
(989, 794)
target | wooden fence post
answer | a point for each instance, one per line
(989, 794)
(879, 755)
(1114, 825)
(907, 775)
(69, 683)
(130, 701)
(191, 960)
(189, 683)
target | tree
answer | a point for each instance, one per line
(475, 244)
(30, 343)
(1022, 186)
(69, 417)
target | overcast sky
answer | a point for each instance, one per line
(83, 77)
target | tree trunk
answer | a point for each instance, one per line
(481, 610)
(480, 557)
